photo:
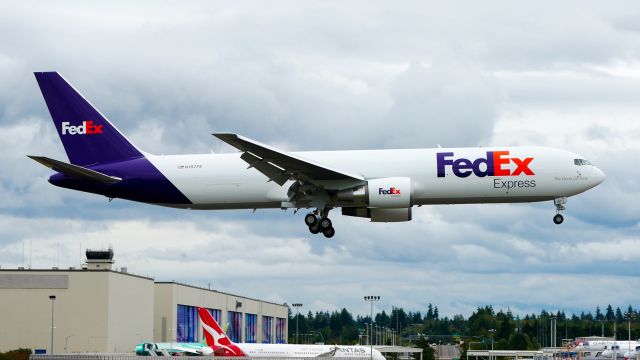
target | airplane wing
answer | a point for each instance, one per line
(280, 166)
(75, 170)
(186, 350)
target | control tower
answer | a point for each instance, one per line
(99, 259)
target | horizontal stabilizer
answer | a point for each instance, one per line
(75, 170)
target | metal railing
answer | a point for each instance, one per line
(128, 356)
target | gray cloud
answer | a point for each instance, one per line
(325, 75)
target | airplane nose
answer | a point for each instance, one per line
(599, 176)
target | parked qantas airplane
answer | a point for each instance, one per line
(624, 349)
(222, 346)
(381, 185)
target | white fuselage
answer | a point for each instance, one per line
(620, 348)
(291, 350)
(223, 181)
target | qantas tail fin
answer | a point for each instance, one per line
(88, 137)
(216, 338)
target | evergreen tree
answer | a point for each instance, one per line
(427, 351)
(519, 342)
(382, 319)
(609, 313)
(511, 332)
(505, 327)
(598, 313)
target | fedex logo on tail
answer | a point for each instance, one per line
(87, 128)
(496, 163)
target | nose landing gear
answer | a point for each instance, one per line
(559, 203)
(558, 219)
(320, 223)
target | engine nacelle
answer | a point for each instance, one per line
(390, 215)
(381, 200)
(379, 214)
(387, 193)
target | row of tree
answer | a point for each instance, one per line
(485, 328)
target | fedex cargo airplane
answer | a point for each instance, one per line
(222, 346)
(381, 185)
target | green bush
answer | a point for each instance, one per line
(19, 354)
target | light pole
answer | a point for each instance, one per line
(553, 332)
(629, 316)
(367, 335)
(491, 331)
(397, 326)
(371, 299)
(297, 306)
(52, 298)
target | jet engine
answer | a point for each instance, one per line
(378, 214)
(381, 200)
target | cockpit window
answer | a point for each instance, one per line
(581, 162)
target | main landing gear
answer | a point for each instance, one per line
(320, 223)
(559, 203)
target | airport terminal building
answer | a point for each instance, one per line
(98, 309)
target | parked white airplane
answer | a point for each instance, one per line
(624, 349)
(223, 346)
(607, 348)
(382, 185)
(633, 354)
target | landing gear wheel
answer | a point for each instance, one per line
(310, 219)
(315, 228)
(328, 232)
(325, 223)
(558, 219)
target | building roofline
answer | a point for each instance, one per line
(217, 291)
(77, 270)
(137, 276)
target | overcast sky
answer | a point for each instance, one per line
(337, 75)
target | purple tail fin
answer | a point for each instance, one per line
(87, 136)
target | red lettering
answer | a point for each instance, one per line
(93, 129)
(522, 166)
(498, 161)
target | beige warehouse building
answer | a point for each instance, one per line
(97, 309)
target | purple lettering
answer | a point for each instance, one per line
(442, 162)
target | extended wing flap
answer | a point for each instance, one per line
(276, 164)
(273, 172)
(75, 170)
